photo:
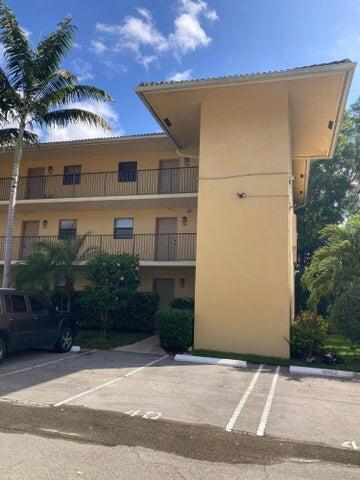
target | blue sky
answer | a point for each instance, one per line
(124, 42)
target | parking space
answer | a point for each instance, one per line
(260, 400)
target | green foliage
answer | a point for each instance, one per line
(130, 312)
(307, 335)
(333, 194)
(346, 314)
(52, 264)
(184, 303)
(176, 327)
(109, 278)
(119, 272)
(335, 267)
(34, 89)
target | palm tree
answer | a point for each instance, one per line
(334, 267)
(36, 92)
(53, 264)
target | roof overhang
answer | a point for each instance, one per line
(317, 97)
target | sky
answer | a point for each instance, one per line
(121, 43)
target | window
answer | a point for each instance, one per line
(8, 304)
(127, 172)
(38, 304)
(123, 228)
(72, 175)
(19, 303)
(67, 229)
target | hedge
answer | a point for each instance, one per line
(184, 303)
(133, 312)
(176, 328)
(346, 314)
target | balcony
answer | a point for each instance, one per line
(158, 249)
(172, 181)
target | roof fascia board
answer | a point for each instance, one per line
(252, 78)
(94, 141)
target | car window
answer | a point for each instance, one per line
(19, 303)
(8, 304)
(38, 304)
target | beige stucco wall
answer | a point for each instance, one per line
(148, 274)
(102, 222)
(99, 159)
(243, 295)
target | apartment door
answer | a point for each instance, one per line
(169, 176)
(166, 228)
(36, 183)
(165, 288)
(30, 229)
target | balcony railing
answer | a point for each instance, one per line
(150, 247)
(104, 184)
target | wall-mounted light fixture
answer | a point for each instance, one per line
(182, 282)
(45, 224)
(50, 170)
(184, 220)
(241, 195)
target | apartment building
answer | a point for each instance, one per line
(209, 205)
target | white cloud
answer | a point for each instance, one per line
(98, 47)
(180, 76)
(139, 33)
(83, 70)
(82, 131)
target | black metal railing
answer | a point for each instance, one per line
(104, 184)
(149, 247)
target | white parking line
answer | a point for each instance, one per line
(240, 406)
(110, 382)
(13, 372)
(267, 407)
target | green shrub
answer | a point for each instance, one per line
(346, 314)
(183, 303)
(109, 277)
(136, 312)
(176, 328)
(307, 335)
(130, 312)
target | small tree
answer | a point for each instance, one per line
(52, 264)
(109, 276)
(35, 92)
(335, 267)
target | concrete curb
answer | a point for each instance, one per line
(322, 372)
(211, 361)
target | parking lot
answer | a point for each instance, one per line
(259, 400)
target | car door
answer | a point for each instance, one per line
(20, 320)
(46, 320)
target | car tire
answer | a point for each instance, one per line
(2, 349)
(65, 340)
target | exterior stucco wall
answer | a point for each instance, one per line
(97, 161)
(243, 298)
(102, 222)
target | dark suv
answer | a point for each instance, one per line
(28, 320)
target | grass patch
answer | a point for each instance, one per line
(335, 343)
(92, 339)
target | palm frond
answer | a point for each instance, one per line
(62, 118)
(9, 98)
(74, 93)
(17, 53)
(52, 49)
(8, 137)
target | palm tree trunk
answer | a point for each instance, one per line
(11, 209)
